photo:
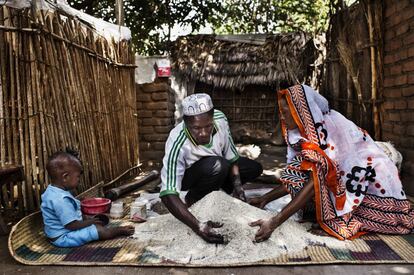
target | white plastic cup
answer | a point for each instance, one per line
(117, 206)
(117, 210)
(147, 202)
(116, 214)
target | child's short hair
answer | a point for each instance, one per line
(59, 160)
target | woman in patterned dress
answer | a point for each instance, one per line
(332, 162)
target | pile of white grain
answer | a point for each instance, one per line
(169, 238)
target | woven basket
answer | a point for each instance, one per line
(28, 245)
(29, 230)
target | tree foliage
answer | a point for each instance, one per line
(269, 16)
(151, 21)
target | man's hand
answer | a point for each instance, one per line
(259, 202)
(238, 192)
(206, 231)
(265, 231)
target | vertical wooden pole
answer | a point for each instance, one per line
(3, 102)
(10, 90)
(32, 119)
(14, 64)
(119, 12)
(375, 113)
(3, 89)
(40, 118)
(26, 107)
(349, 104)
(21, 113)
(19, 128)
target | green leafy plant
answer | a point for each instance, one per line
(151, 21)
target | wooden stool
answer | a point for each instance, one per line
(8, 174)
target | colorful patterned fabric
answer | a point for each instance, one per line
(293, 176)
(357, 187)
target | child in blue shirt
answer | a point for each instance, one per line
(62, 216)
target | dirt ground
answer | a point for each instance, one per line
(272, 157)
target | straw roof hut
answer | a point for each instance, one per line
(235, 61)
(242, 73)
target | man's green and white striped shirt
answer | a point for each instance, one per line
(181, 152)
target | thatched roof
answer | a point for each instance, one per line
(236, 61)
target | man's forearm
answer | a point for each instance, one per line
(179, 210)
(238, 190)
(235, 175)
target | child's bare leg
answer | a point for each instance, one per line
(106, 233)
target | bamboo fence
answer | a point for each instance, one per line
(62, 85)
(353, 69)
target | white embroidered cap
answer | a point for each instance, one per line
(196, 104)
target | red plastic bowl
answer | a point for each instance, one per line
(93, 206)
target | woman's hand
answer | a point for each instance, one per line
(259, 202)
(266, 228)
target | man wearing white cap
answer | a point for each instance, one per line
(200, 157)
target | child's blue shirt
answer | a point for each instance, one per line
(59, 208)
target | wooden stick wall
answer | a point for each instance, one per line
(347, 79)
(62, 86)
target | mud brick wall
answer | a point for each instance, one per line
(398, 90)
(156, 118)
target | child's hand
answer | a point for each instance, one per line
(97, 221)
(103, 218)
